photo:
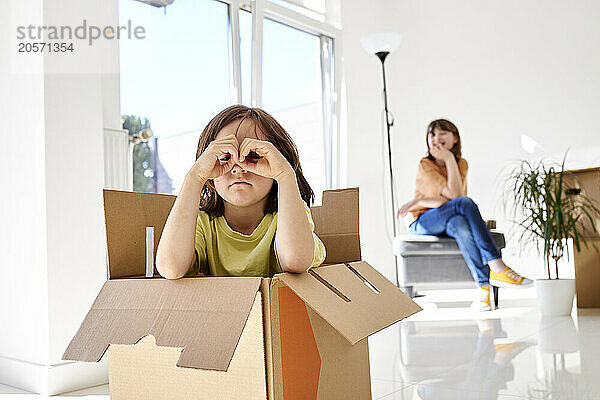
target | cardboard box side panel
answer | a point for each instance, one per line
(265, 290)
(345, 371)
(300, 360)
(337, 225)
(339, 212)
(127, 214)
(276, 339)
(587, 275)
(589, 182)
(341, 248)
(146, 371)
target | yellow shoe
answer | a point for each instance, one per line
(481, 302)
(505, 352)
(508, 278)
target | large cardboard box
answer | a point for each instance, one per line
(588, 183)
(587, 261)
(587, 274)
(293, 336)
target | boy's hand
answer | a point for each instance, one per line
(217, 159)
(266, 161)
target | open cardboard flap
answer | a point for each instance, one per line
(336, 224)
(340, 295)
(204, 316)
(127, 214)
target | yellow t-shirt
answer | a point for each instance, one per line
(221, 251)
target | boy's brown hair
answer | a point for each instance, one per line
(444, 125)
(210, 201)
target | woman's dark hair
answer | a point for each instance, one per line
(210, 201)
(444, 125)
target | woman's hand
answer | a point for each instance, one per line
(217, 159)
(402, 211)
(266, 160)
(441, 153)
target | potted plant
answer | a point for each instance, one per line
(547, 204)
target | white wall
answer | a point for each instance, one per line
(363, 130)
(52, 159)
(23, 266)
(74, 174)
(496, 69)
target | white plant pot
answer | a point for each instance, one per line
(555, 296)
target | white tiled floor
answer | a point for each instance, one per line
(509, 353)
(447, 352)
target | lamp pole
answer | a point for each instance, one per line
(382, 44)
(382, 55)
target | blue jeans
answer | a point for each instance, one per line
(460, 219)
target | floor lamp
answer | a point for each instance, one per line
(381, 45)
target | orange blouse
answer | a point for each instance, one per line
(432, 179)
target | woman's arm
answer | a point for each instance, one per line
(294, 237)
(453, 188)
(432, 202)
(454, 184)
(175, 253)
(416, 204)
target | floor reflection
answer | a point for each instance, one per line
(479, 359)
(568, 357)
(430, 350)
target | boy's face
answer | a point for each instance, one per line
(256, 188)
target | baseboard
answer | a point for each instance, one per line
(49, 380)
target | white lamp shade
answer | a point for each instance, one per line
(382, 41)
(157, 3)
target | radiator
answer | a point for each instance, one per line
(118, 160)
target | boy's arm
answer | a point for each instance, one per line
(175, 252)
(294, 237)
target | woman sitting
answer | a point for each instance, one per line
(441, 207)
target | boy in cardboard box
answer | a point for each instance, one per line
(289, 336)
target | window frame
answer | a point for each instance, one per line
(331, 79)
(330, 56)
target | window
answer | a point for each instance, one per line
(314, 8)
(176, 79)
(293, 94)
(189, 68)
(246, 55)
